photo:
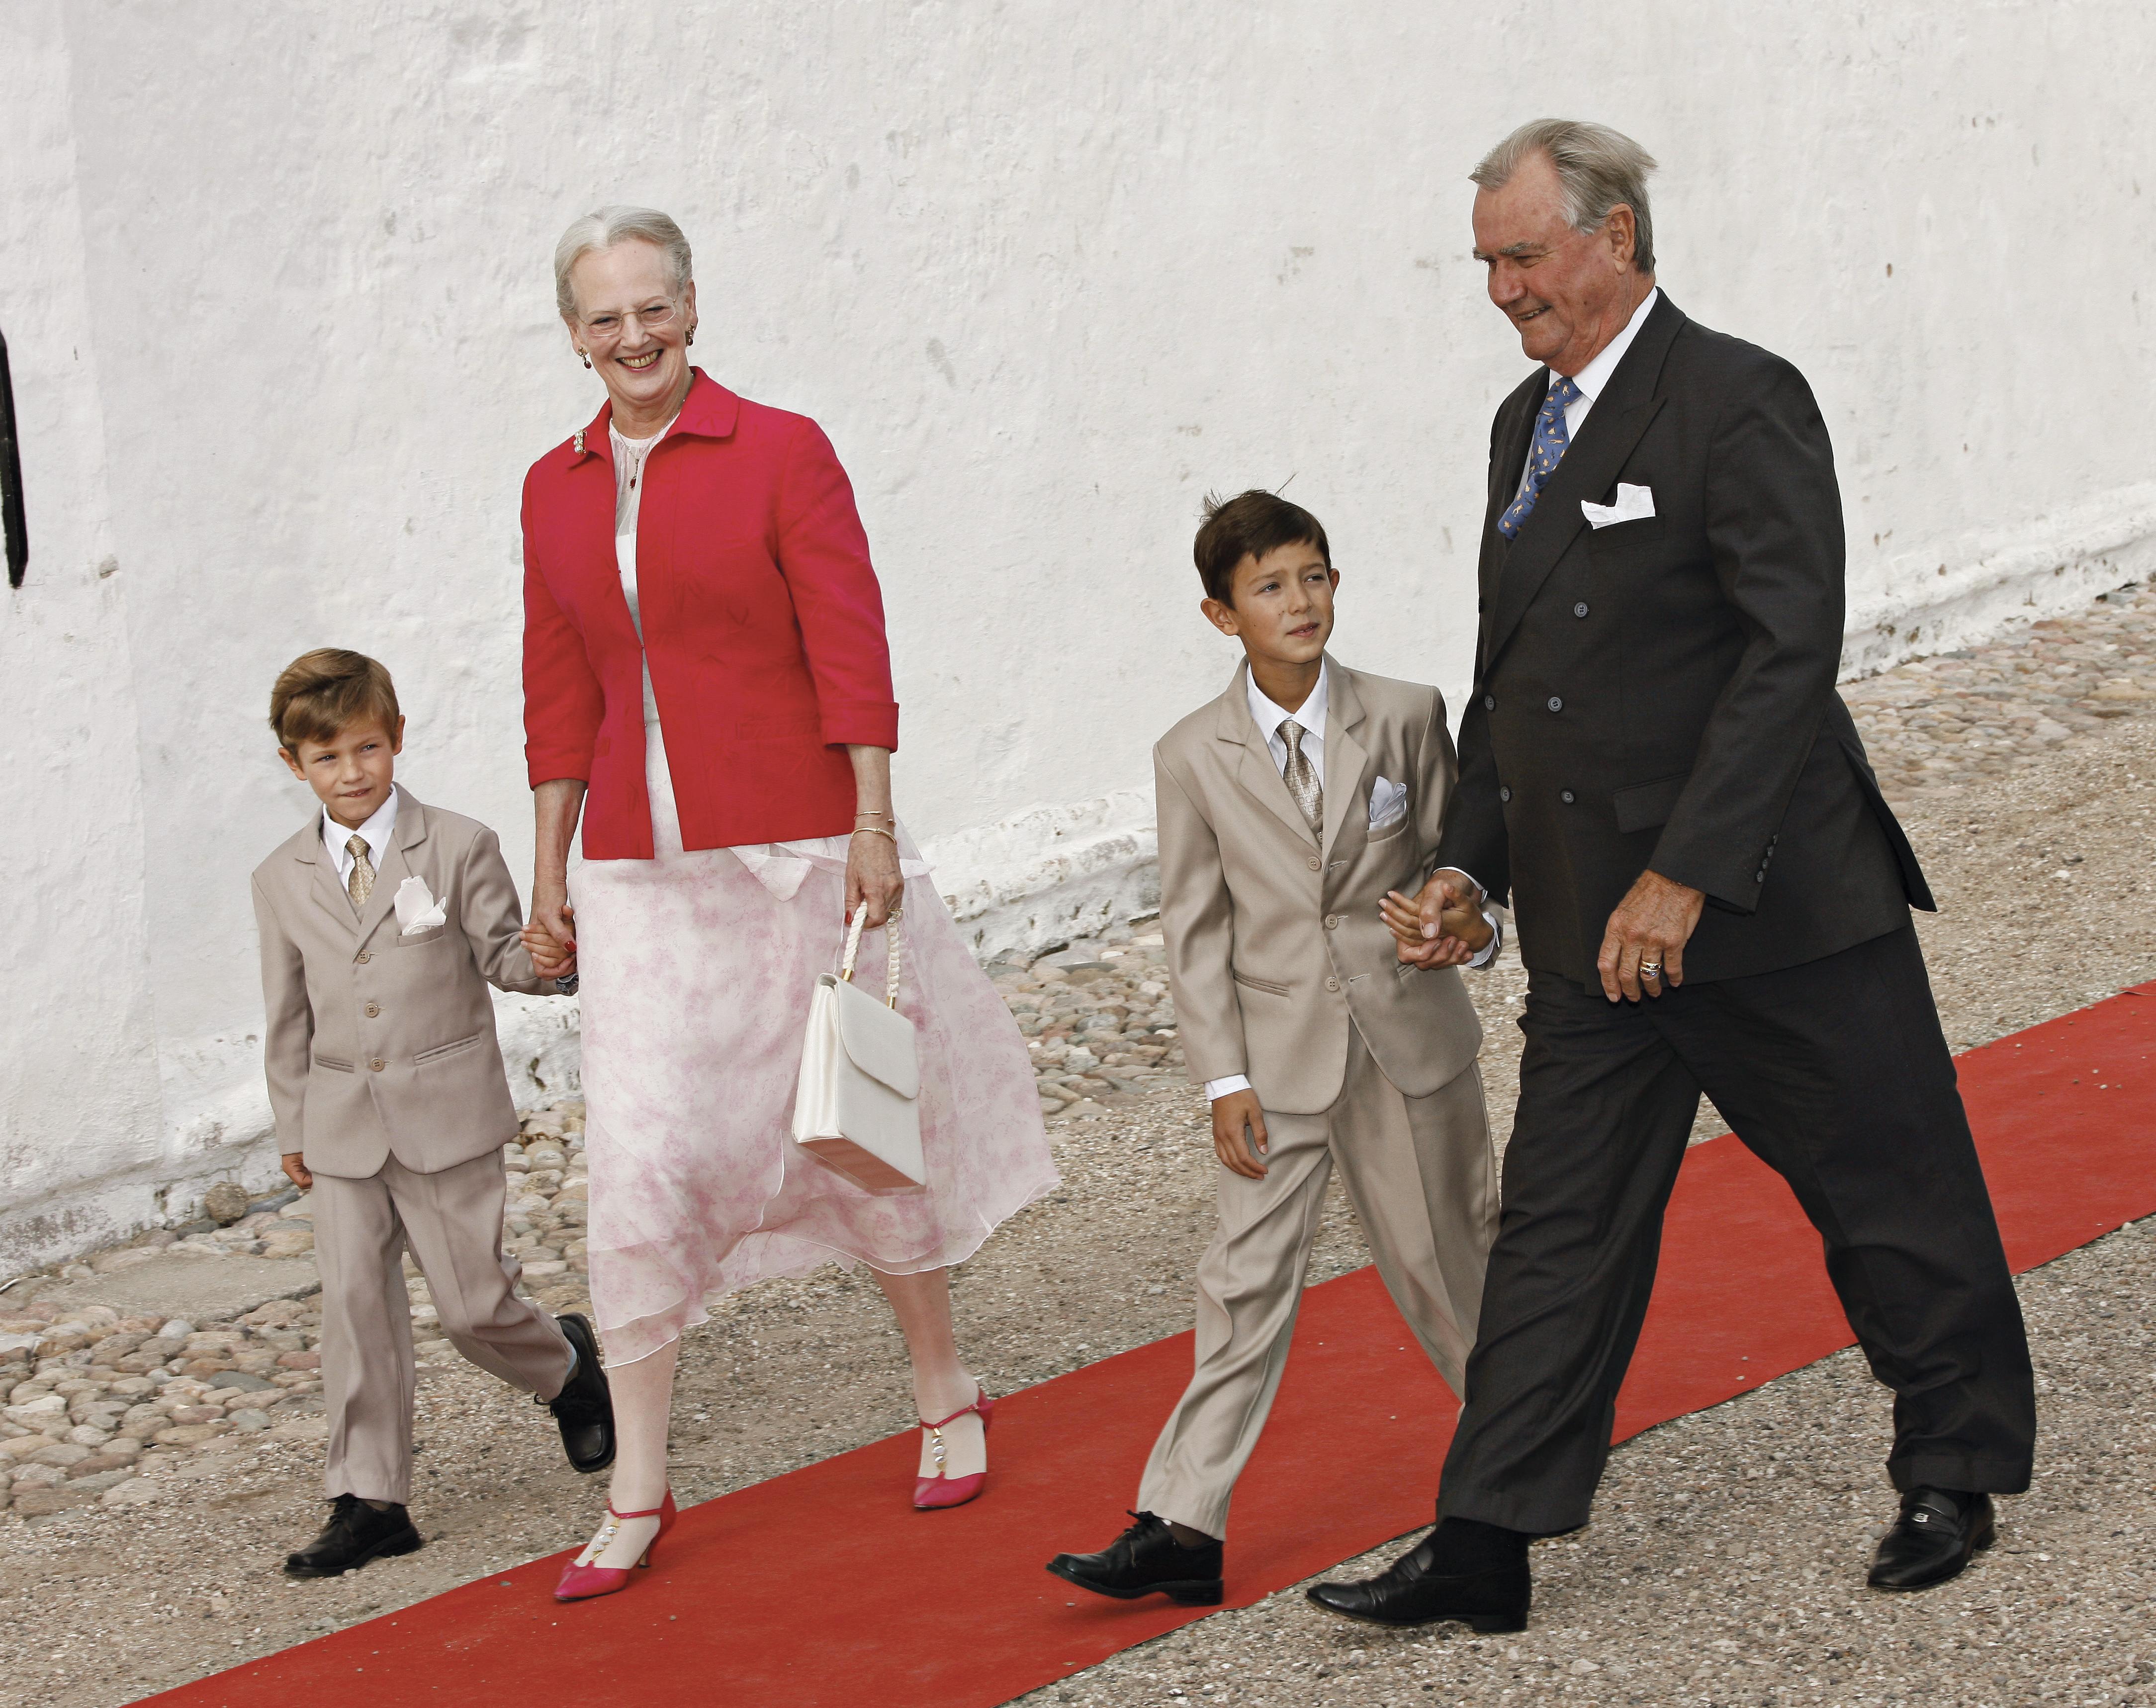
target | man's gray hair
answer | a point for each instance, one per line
(1598, 168)
(602, 228)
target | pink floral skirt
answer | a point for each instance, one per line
(697, 970)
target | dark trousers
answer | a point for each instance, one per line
(1837, 1075)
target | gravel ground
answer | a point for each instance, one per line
(2027, 771)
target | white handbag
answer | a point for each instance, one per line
(856, 1107)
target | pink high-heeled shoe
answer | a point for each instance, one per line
(933, 1493)
(583, 1582)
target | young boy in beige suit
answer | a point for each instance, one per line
(1290, 809)
(383, 922)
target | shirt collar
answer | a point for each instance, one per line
(1311, 714)
(378, 830)
(1592, 378)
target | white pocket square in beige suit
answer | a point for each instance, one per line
(380, 1041)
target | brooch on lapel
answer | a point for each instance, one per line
(579, 441)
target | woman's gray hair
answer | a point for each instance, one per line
(1598, 168)
(602, 228)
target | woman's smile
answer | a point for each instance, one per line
(638, 364)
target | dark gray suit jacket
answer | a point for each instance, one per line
(1661, 693)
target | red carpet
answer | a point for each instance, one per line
(895, 1610)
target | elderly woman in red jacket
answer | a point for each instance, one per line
(707, 683)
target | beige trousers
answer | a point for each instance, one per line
(452, 1222)
(1422, 1176)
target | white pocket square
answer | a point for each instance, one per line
(1389, 804)
(1633, 504)
(415, 910)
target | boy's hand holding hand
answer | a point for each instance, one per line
(297, 1171)
(549, 958)
(1231, 1115)
(1444, 926)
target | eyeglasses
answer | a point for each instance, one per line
(652, 317)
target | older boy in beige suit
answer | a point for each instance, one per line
(1289, 810)
(383, 923)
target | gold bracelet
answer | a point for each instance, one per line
(874, 830)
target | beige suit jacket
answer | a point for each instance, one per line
(1274, 940)
(377, 1043)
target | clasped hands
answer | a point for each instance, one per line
(1642, 947)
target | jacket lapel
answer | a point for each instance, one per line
(327, 893)
(1253, 767)
(1614, 426)
(1347, 761)
(1515, 431)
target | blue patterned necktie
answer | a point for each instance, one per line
(1543, 456)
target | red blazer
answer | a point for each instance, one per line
(762, 616)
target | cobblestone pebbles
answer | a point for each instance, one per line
(98, 1409)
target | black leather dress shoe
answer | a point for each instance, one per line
(1147, 1560)
(583, 1410)
(1937, 1534)
(1410, 1592)
(355, 1534)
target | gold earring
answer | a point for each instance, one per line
(692, 335)
(587, 355)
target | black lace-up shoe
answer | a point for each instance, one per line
(356, 1533)
(1412, 1591)
(584, 1409)
(1147, 1560)
(1939, 1532)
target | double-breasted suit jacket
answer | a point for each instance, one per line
(1660, 692)
(1274, 938)
(378, 1043)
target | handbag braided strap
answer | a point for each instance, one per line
(893, 938)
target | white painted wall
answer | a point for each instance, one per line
(276, 281)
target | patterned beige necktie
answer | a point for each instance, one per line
(361, 883)
(1301, 776)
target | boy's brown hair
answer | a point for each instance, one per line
(1251, 524)
(323, 692)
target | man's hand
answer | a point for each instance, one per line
(1651, 926)
(297, 1170)
(1444, 926)
(1231, 1115)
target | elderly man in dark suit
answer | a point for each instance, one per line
(1712, 895)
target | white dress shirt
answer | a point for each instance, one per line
(1593, 379)
(375, 832)
(1310, 715)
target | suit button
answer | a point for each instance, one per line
(1760, 877)
(1332, 984)
(1489, 702)
(364, 956)
(1504, 794)
(1566, 796)
(1315, 863)
(373, 1009)
(1580, 609)
(1332, 921)
(377, 1064)
(1555, 704)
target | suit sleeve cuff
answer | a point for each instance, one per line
(1491, 950)
(1217, 1088)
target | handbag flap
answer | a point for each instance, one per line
(878, 1041)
